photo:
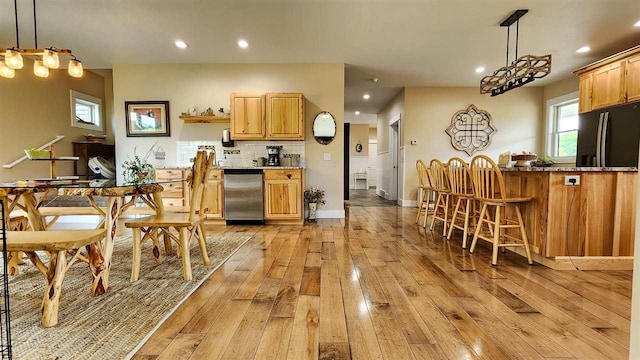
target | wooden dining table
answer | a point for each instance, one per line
(120, 195)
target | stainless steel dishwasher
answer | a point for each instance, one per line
(243, 196)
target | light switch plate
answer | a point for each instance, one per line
(327, 156)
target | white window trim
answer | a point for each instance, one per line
(548, 142)
(78, 95)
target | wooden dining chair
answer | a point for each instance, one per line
(188, 225)
(462, 193)
(497, 209)
(426, 196)
(440, 185)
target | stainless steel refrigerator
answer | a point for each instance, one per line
(609, 137)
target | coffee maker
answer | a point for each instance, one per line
(274, 155)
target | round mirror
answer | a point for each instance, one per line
(324, 127)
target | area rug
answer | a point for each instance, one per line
(113, 324)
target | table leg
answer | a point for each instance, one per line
(101, 278)
(157, 198)
(36, 221)
(51, 299)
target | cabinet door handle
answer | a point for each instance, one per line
(288, 176)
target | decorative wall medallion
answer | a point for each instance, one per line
(471, 130)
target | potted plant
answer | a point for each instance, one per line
(137, 170)
(313, 197)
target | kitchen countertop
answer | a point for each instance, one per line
(235, 167)
(566, 168)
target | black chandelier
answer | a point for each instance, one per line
(521, 71)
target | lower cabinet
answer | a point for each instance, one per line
(283, 194)
(214, 196)
(175, 194)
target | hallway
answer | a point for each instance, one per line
(367, 198)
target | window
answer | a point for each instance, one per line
(86, 111)
(562, 125)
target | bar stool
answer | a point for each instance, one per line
(462, 192)
(424, 184)
(490, 191)
(440, 185)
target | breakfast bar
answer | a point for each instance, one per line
(579, 215)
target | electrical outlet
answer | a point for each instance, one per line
(327, 156)
(572, 180)
(414, 142)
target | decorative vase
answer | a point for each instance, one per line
(313, 207)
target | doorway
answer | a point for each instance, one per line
(395, 161)
(372, 173)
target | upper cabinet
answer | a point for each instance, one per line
(247, 116)
(608, 86)
(272, 116)
(285, 116)
(633, 78)
(611, 81)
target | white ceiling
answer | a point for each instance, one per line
(403, 43)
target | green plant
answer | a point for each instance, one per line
(314, 195)
(137, 170)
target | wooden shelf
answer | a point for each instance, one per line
(204, 119)
(63, 158)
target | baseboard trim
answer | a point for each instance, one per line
(409, 203)
(330, 214)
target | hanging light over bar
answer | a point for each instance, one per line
(520, 71)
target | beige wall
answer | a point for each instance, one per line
(516, 114)
(36, 110)
(204, 85)
(107, 74)
(562, 87)
(360, 135)
(392, 109)
(373, 134)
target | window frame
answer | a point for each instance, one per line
(550, 138)
(96, 106)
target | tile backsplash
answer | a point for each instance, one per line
(242, 154)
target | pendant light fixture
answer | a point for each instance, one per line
(11, 59)
(522, 70)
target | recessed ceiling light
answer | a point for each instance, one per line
(357, 112)
(181, 44)
(637, 24)
(480, 69)
(243, 44)
(583, 49)
(366, 96)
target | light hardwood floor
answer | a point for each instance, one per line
(376, 286)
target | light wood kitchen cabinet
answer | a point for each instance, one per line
(285, 116)
(611, 81)
(283, 195)
(248, 116)
(272, 116)
(214, 196)
(586, 84)
(608, 87)
(633, 78)
(175, 194)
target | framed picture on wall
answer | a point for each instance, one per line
(147, 118)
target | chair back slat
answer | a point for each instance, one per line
(199, 176)
(459, 177)
(487, 178)
(438, 175)
(423, 174)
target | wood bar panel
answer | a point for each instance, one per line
(597, 216)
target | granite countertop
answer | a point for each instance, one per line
(235, 167)
(567, 168)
